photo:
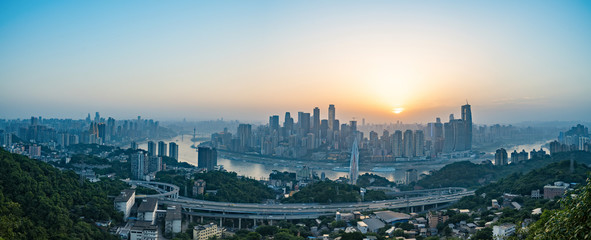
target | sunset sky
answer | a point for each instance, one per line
(512, 60)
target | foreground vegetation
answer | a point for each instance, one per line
(38, 201)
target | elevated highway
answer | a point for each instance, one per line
(413, 201)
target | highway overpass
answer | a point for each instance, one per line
(413, 201)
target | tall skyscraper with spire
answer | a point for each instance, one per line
(354, 164)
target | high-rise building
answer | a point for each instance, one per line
(419, 143)
(435, 134)
(138, 165)
(316, 120)
(173, 150)
(397, 144)
(354, 163)
(154, 164)
(411, 175)
(459, 128)
(287, 125)
(274, 122)
(162, 149)
(151, 148)
(207, 158)
(409, 148)
(449, 140)
(501, 157)
(245, 136)
(353, 126)
(331, 117)
(467, 118)
(303, 123)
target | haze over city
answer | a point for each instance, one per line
(513, 61)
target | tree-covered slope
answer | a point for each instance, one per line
(468, 174)
(38, 201)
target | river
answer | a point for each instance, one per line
(257, 168)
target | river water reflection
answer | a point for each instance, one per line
(258, 170)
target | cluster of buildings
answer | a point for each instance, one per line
(141, 216)
(577, 138)
(501, 156)
(173, 149)
(49, 139)
(304, 137)
(143, 219)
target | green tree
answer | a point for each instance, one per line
(572, 221)
(483, 234)
(266, 230)
(352, 236)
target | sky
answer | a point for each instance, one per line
(512, 61)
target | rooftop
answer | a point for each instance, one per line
(125, 195)
(148, 205)
(173, 213)
(389, 216)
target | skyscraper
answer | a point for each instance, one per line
(331, 117)
(151, 148)
(274, 122)
(173, 150)
(287, 125)
(397, 144)
(409, 148)
(459, 128)
(138, 165)
(467, 118)
(354, 163)
(207, 157)
(154, 164)
(303, 123)
(419, 143)
(244, 135)
(162, 149)
(316, 120)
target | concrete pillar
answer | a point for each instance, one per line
(239, 223)
(221, 219)
(270, 222)
(423, 208)
(201, 219)
(255, 223)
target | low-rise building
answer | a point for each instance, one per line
(143, 231)
(435, 218)
(203, 232)
(558, 189)
(502, 231)
(374, 224)
(391, 217)
(362, 226)
(147, 210)
(173, 219)
(124, 202)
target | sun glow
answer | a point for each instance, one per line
(397, 110)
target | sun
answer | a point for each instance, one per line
(398, 110)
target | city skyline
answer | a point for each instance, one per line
(244, 61)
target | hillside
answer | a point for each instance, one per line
(468, 174)
(38, 201)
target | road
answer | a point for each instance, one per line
(168, 194)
